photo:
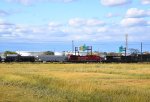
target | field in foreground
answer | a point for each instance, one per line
(74, 82)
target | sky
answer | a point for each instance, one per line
(39, 25)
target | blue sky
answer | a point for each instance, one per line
(39, 25)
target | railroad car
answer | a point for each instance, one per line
(26, 59)
(13, 58)
(129, 59)
(144, 58)
(112, 59)
(87, 58)
(51, 58)
(0, 59)
(18, 58)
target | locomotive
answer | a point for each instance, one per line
(87, 58)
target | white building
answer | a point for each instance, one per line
(28, 53)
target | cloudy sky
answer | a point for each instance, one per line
(28, 24)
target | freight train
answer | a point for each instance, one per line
(52, 58)
(78, 58)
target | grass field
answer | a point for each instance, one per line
(28, 82)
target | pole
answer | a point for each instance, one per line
(126, 48)
(91, 50)
(76, 50)
(141, 51)
(125, 54)
(72, 46)
(126, 41)
(125, 51)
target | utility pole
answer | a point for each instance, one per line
(141, 48)
(72, 46)
(141, 51)
(126, 41)
(126, 44)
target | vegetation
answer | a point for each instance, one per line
(49, 53)
(26, 82)
(9, 52)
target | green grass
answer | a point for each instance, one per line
(26, 82)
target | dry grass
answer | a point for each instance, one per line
(74, 82)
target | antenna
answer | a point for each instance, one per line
(126, 41)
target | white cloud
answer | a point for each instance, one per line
(102, 29)
(28, 2)
(114, 2)
(54, 24)
(145, 2)
(3, 13)
(2, 20)
(134, 22)
(138, 33)
(6, 29)
(85, 22)
(65, 32)
(110, 15)
(134, 12)
(5, 25)
(76, 22)
(94, 22)
(25, 2)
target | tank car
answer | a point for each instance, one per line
(26, 59)
(12, 58)
(18, 58)
(0, 59)
(51, 58)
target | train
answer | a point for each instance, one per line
(52, 58)
(78, 58)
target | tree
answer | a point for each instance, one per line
(134, 51)
(49, 53)
(9, 52)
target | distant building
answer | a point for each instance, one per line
(28, 53)
(1, 53)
